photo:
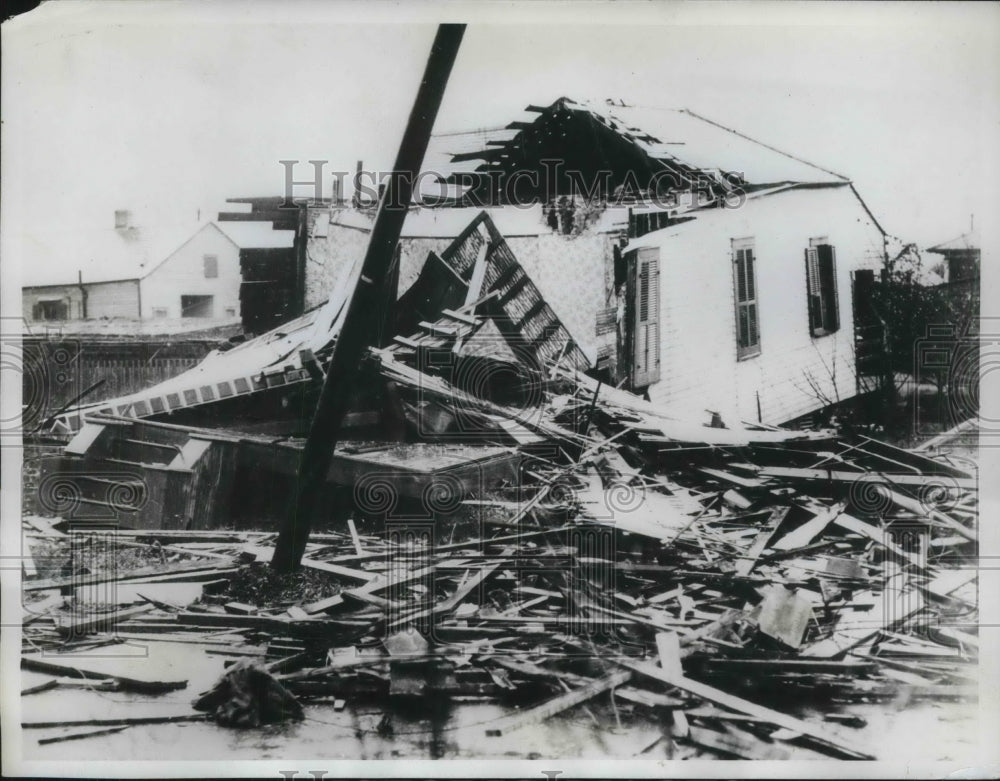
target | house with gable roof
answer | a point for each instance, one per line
(172, 275)
(690, 263)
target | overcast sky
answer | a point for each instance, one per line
(169, 107)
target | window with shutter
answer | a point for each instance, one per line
(211, 266)
(745, 284)
(821, 287)
(646, 364)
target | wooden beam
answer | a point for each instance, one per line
(820, 736)
(361, 318)
(841, 476)
(557, 704)
(749, 559)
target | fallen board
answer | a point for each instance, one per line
(149, 673)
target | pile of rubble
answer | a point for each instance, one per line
(714, 579)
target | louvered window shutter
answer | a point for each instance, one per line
(821, 285)
(813, 291)
(747, 315)
(647, 318)
(828, 287)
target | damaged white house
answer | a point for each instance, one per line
(689, 262)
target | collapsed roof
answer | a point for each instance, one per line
(589, 138)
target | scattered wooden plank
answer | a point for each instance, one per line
(80, 735)
(145, 574)
(669, 648)
(737, 743)
(919, 508)
(127, 722)
(36, 610)
(681, 728)
(42, 687)
(810, 530)
(729, 477)
(132, 674)
(558, 704)
(749, 559)
(239, 608)
(821, 737)
(778, 666)
(354, 537)
(841, 476)
(339, 571)
(72, 627)
(876, 535)
(647, 698)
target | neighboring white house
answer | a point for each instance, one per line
(132, 273)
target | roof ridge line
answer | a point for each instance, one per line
(761, 143)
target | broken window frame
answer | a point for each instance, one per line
(745, 298)
(822, 301)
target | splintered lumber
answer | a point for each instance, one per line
(192, 571)
(647, 698)
(810, 530)
(739, 744)
(780, 666)
(80, 735)
(914, 506)
(729, 477)
(821, 737)
(98, 622)
(892, 608)
(681, 727)
(558, 704)
(669, 648)
(126, 722)
(835, 476)
(42, 687)
(36, 610)
(748, 560)
(374, 585)
(340, 572)
(876, 535)
(354, 537)
(132, 673)
(450, 604)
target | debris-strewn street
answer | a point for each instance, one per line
(595, 430)
(696, 595)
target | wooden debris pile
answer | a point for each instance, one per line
(721, 582)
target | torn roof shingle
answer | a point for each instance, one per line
(663, 134)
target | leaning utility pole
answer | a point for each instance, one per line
(362, 315)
